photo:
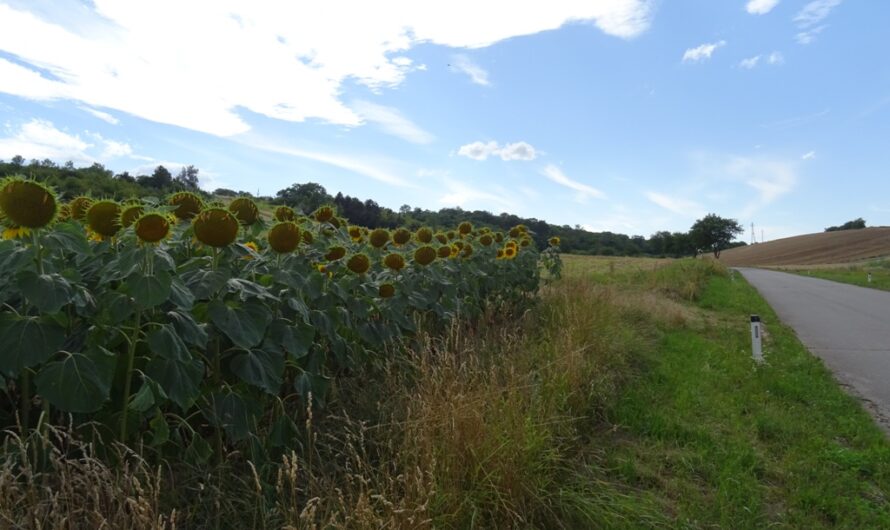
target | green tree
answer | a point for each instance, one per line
(307, 197)
(188, 178)
(855, 224)
(713, 233)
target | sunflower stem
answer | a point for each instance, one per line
(35, 238)
(128, 376)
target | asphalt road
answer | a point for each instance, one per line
(846, 325)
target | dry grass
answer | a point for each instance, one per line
(843, 246)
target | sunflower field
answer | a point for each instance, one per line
(195, 326)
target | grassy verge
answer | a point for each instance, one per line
(853, 274)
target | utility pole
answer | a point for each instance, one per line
(762, 239)
(753, 235)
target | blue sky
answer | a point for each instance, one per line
(624, 115)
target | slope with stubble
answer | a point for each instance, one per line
(844, 246)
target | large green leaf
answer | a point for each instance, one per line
(260, 368)
(27, 342)
(181, 295)
(244, 324)
(73, 384)
(181, 380)
(287, 337)
(165, 342)
(247, 289)
(187, 328)
(317, 384)
(67, 236)
(149, 291)
(47, 292)
(233, 413)
(204, 283)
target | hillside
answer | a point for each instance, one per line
(813, 249)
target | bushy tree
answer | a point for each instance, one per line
(855, 224)
(713, 233)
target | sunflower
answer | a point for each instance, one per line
(467, 251)
(323, 214)
(284, 213)
(499, 237)
(510, 243)
(401, 236)
(424, 235)
(395, 262)
(64, 213)
(515, 232)
(465, 228)
(27, 204)
(386, 290)
(245, 210)
(524, 242)
(188, 205)
(359, 263)
(554, 241)
(458, 244)
(79, 206)
(510, 252)
(215, 227)
(486, 240)
(103, 218)
(444, 251)
(442, 238)
(500, 254)
(284, 237)
(152, 227)
(425, 255)
(355, 233)
(451, 234)
(336, 222)
(308, 238)
(335, 253)
(130, 213)
(15, 232)
(379, 237)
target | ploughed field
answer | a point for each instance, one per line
(845, 246)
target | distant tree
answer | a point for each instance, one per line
(225, 192)
(855, 224)
(307, 197)
(18, 160)
(126, 177)
(713, 233)
(188, 178)
(160, 179)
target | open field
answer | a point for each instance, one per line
(855, 274)
(844, 246)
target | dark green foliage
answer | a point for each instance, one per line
(713, 233)
(855, 224)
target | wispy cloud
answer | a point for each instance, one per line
(760, 7)
(702, 52)
(40, 139)
(464, 195)
(392, 121)
(584, 191)
(104, 116)
(750, 62)
(512, 151)
(770, 178)
(774, 59)
(796, 121)
(809, 19)
(476, 73)
(677, 205)
(808, 155)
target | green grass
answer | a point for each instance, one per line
(704, 439)
(853, 274)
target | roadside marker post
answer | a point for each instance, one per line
(756, 339)
(869, 277)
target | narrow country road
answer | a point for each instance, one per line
(846, 325)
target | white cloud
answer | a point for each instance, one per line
(702, 52)
(769, 178)
(463, 195)
(513, 151)
(584, 191)
(750, 62)
(809, 19)
(41, 139)
(808, 155)
(285, 60)
(392, 122)
(466, 65)
(774, 59)
(760, 7)
(677, 205)
(104, 116)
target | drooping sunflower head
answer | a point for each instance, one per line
(379, 237)
(401, 236)
(284, 237)
(515, 232)
(458, 244)
(355, 233)
(451, 234)
(444, 251)
(79, 207)
(15, 232)
(336, 222)
(386, 290)
(510, 252)
(486, 240)
(554, 241)
(424, 235)
(284, 213)
(499, 237)
(130, 213)
(308, 238)
(359, 263)
(215, 227)
(26, 203)
(465, 228)
(245, 210)
(64, 213)
(188, 205)
(524, 242)
(455, 250)
(467, 251)
(395, 262)
(335, 253)
(425, 255)
(500, 254)
(103, 218)
(510, 243)
(442, 238)
(323, 214)
(152, 227)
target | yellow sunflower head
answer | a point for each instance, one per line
(442, 238)
(79, 207)
(130, 213)
(386, 290)
(379, 237)
(252, 246)
(510, 243)
(323, 214)
(103, 218)
(425, 255)
(188, 205)
(465, 228)
(335, 253)
(401, 236)
(152, 227)
(510, 252)
(515, 232)
(444, 251)
(15, 232)
(451, 234)
(359, 263)
(284, 237)
(355, 233)
(308, 238)
(337, 222)
(467, 251)
(524, 242)
(486, 240)
(215, 227)
(284, 213)
(245, 210)
(395, 262)
(424, 235)
(26, 203)
(554, 241)
(499, 237)
(64, 213)
(500, 254)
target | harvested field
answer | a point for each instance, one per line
(847, 246)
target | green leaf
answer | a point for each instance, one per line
(179, 379)
(233, 413)
(142, 400)
(317, 384)
(205, 284)
(149, 291)
(160, 431)
(293, 339)
(47, 292)
(260, 368)
(189, 329)
(67, 236)
(165, 342)
(27, 342)
(284, 432)
(14, 258)
(245, 325)
(73, 384)
(181, 295)
(116, 307)
(247, 289)
(198, 451)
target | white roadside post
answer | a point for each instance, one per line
(756, 339)
(869, 277)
